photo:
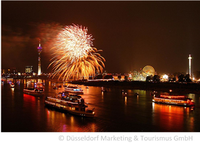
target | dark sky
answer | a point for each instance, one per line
(131, 34)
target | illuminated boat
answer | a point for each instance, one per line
(179, 100)
(34, 91)
(73, 105)
(73, 89)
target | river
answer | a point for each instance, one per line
(114, 112)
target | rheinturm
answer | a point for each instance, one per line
(39, 58)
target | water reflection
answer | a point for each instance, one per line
(137, 99)
(125, 100)
(12, 92)
(191, 124)
(170, 117)
(102, 97)
(142, 93)
(113, 109)
(29, 101)
(51, 118)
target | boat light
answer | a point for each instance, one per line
(167, 96)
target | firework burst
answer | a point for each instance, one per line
(73, 54)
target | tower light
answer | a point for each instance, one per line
(190, 65)
(39, 58)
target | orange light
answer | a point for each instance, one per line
(167, 96)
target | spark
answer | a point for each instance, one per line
(74, 56)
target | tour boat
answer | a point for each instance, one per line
(72, 104)
(180, 100)
(73, 89)
(34, 91)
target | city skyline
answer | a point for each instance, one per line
(131, 34)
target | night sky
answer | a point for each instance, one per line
(131, 34)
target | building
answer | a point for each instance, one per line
(190, 65)
(29, 69)
(39, 58)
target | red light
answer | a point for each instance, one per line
(32, 98)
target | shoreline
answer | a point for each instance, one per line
(159, 86)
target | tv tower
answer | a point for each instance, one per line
(190, 65)
(39, 59)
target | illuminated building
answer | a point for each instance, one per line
(190, 65)
(122, 78)
(165, 78)
(39, 58)
(29, 69)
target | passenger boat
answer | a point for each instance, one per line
(72, 104)
(34, 91)
(180, 100)
(73, 89)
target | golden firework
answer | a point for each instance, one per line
(73, 54)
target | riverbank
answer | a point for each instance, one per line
(162, 86)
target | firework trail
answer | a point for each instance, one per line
(73, 54)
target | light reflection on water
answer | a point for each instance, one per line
(125, 99)
(171, 117)
(115, 112)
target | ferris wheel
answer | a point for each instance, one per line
(148, 71)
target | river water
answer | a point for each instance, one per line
(114, 112)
